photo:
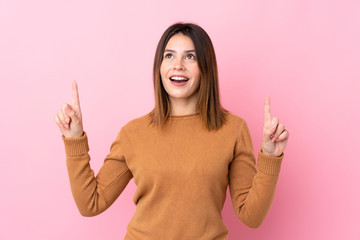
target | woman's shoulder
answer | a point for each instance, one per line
(236, 125)
(138, 123)
(234, 119)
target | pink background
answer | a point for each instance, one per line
(304, 54)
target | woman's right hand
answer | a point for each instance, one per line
(69, 118)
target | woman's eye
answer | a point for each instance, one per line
(168, 55)
(191, 56)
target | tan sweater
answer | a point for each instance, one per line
(181, 175)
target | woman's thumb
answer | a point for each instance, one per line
(69, 111)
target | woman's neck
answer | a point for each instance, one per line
(181, 107)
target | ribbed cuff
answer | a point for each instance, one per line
(76, 146)
(269, 165)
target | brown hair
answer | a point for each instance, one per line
(212, 114)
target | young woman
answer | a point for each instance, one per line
(182, 155)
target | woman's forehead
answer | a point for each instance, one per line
(180, 42)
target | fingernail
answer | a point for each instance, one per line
(67, 120)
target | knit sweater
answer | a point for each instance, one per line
(181, 173)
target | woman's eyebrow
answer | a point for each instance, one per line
(187, 51)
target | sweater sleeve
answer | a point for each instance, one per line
(93, 195)
(252, 190)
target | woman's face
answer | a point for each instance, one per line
(179, 70)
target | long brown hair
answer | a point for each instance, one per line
(212, 114)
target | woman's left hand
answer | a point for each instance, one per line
(275, 136)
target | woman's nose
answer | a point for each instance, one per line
(179, 65)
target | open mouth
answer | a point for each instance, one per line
(179, 79)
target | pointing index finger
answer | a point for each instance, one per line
(267, 116)
(75, 93)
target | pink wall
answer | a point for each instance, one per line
(304, 54)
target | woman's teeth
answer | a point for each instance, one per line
(179, 79)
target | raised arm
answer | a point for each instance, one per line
(92, 195)
(252, 189)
